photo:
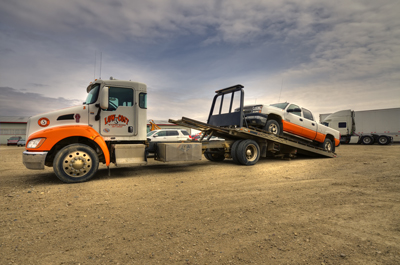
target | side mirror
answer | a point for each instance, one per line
(104, 98)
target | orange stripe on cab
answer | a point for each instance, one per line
(55, 134)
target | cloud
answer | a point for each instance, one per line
(328, 54)
(16, 103)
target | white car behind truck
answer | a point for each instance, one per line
(293, 120)
(367, 127)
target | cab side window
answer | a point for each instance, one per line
(172, 133)
(118, 96)
(294, 109)
(161, 133)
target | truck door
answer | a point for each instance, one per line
(309, 125)
(293, 120)
(118, 119)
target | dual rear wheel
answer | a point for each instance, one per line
(245, 152)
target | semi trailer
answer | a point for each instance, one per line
(110, 128)
(380, 126)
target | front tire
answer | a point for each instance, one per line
(75, 163)
(273, 127)
(248, 152)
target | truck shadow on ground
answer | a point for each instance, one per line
(153, 170)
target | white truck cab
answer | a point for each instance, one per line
(110, 127)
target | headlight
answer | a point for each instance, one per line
(35, 143)
(257, 109)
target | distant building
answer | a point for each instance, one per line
(16, 126)
(12, 126)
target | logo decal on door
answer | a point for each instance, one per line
(116, 121)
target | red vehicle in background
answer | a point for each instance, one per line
(13, 140)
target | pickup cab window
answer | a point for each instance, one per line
(294, 109)
(280, 105)
(307, 114)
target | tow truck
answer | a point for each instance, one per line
(110, 127)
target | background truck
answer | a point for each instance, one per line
(367, 127)
(292, 120)
(110, 127)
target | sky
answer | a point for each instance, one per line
(323, 55)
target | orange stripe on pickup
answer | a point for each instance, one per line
(55, 134)
(292, 128)
(320, 137)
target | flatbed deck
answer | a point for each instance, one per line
(240, 133)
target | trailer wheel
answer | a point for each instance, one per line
(367, 140)
(234, 151)
(214, 157)
(248, 152)
(273, 127)
(327, 145)
(75, 163)
(383, 140)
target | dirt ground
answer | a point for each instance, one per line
(343, 210)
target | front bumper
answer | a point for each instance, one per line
(256, 119)
(34, 160)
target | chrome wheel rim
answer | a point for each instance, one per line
(383, 140)
(273, 128)
(367, 140)
(251, 152)
(77, 164)
(328, 146)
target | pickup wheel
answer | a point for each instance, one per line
(273, 127)
(248, 152)
(367, 140)
(234, 151)
(327, 145)
(214, 157)
(75, 163)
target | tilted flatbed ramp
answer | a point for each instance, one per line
(254, 134)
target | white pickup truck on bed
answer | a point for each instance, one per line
(293, 120)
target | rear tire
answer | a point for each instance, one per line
(367, 140)
(383, 140)
(234, 151)
(214, 157)
(248, 152)
(75, 163)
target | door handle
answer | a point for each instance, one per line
(301, 119)
(313, 124)
(130, 129)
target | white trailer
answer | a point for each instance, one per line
(366, 127)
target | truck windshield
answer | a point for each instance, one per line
(280, 105)
(93, 94)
